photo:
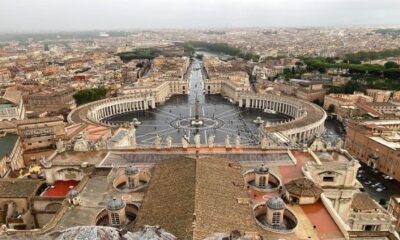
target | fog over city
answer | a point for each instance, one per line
(66, 15)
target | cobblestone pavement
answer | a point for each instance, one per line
(162, 120)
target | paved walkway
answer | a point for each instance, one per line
(251, 158)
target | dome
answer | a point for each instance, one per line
(275, 203)
(115, 204)
(325, 157)
(303, 187)
(131, 170)
(72, 194)
(262, 169)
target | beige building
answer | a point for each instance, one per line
(15, 203)
(376, 144)
(394, 210)
(11, 105)
(50, 100)
(396, 96)
(335, 171)
(311, 93)
(345, 105)
(367, 215)
(379, 95)
(229, 79)
(41, 133)
(10, 154)
(337, 179)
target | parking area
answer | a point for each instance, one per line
(376, 184)
(333, 130)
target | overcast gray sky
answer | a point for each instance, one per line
(55, 15)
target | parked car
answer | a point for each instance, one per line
(376, 184)
(387, 177)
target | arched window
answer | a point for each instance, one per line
(115, 219)
(262, 181)
(276, 218)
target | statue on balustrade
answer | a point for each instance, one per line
(228, 141)
(237, 141)
(211, 141)
(168, 141)
(157, 142)
(197, 140)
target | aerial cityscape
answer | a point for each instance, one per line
(199, 128)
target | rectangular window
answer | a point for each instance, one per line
(115, 219)
(276, 218)
(369, 227)
(328, 179)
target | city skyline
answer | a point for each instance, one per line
(45, 15)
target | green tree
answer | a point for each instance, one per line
(89, 95)
(318, 102)
(255, 58)
(299, 64)
(330, 60)
(391, 64)
(352, 86)
(140, 53)
(199, 56)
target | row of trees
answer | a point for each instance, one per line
(320, 64)
(367, 56)
(89, 95)
(363, 75)
(349, 88)
(140, 53)
(221, 48)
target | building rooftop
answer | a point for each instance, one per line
(362, 202)
(19, 188)
(392, 145)
(303, 187)
(193, 199)
(59, 188)
(7, 144)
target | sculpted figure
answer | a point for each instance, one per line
(237, 141)
(157, 142)
(228, 141)
(168, 141)
(211, 141)
(197, 140)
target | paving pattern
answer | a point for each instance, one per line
(230, 119)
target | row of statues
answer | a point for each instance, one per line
(196, 140)
(185, 140)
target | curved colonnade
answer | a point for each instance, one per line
(96, 112)
(308, 118)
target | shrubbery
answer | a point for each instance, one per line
(89, 95)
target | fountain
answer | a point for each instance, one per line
(136, 122)
(258, 121)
